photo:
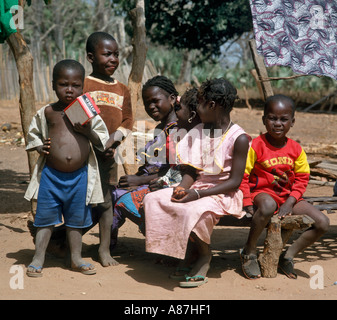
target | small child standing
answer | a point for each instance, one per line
(213, 155)
(113, 99)
(276, 177)
(65, 179)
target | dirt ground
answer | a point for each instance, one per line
(144, 276)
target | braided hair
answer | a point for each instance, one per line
(163, 83)
(220, 91)
(189, 98)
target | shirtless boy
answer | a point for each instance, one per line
(66, 179)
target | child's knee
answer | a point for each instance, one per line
(267, 207)
(322, 224)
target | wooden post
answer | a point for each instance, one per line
(261, 71)
(272, 249)
(278, 233)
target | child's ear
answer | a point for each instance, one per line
(292, 122)
(173, 99)
(53, 85)
(212, 105)
(90, 57)
(264, 120)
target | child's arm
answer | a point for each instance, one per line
(244, 187)
(133, 180)
(127, 122)
(302, 172)
(241, 146)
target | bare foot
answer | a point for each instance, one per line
(106, 260)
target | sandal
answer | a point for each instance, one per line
(193, 282)
(85, 268)
(250, 265)
(36, 273)
(287, 266)
(180, 273)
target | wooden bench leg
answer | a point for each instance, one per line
(273, 246)
(278, 233)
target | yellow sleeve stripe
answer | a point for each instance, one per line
(251, 159)
(301, 164)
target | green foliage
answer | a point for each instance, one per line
(29, 2)
(204, 25)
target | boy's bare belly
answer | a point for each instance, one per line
(69, 150)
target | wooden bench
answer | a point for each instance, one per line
(279, 232)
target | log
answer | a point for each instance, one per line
(320, 199)
(273, 246)
(278, 233)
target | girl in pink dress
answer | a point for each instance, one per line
(213, 156)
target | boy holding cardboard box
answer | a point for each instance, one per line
(65, 180)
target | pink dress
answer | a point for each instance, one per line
(169, 224)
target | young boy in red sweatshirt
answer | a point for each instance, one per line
(275, 179)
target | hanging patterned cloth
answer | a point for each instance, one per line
(5, 19)
(301, 34)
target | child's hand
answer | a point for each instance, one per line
(155, 185)
(285, 210)
(44, 149)
(249, 209)
(178, 193)
(185, 195)
(129, 181)
(84, 129)
(109, 152)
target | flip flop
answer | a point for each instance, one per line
(36, 273)
(197, 281)
(85, 269)
(287, 267)
(180, 273)
(250, 265)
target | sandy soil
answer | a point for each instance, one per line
(140, 275)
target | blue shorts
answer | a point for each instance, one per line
(63, 193)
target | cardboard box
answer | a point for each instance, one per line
(82, 109)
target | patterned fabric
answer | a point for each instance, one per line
(128, 201)
(132, 201)
(301, 34)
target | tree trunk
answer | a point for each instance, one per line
(186, 67)
(24, 64)
(139, 53)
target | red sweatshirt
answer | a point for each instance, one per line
(280, 172)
